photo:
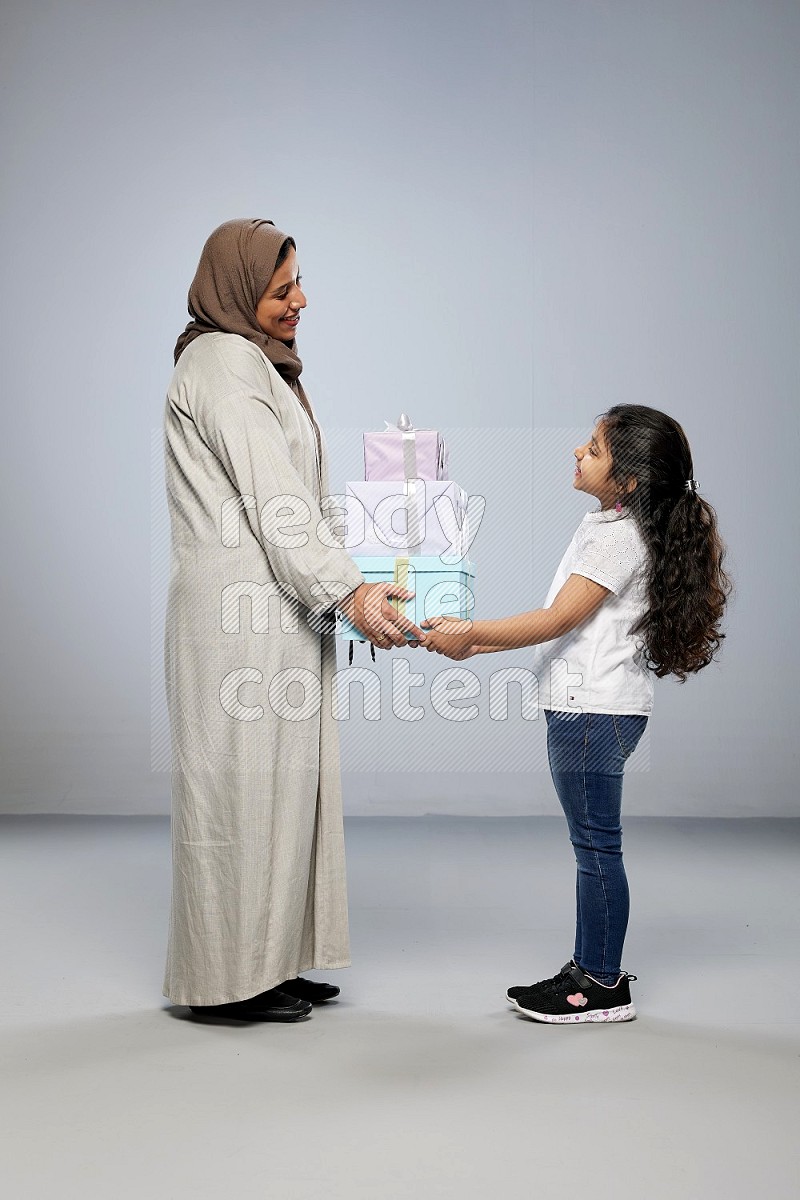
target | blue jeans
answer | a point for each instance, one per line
(587, 753)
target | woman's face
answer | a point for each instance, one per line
(278, 310)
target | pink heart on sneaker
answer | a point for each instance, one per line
(578, 1000)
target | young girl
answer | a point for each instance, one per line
(640, 592)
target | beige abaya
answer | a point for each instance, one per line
(258, 852)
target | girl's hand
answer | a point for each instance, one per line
(449, 636)
(467, 652)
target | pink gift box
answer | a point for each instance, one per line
(405, 454)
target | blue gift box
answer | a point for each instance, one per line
(440, 590)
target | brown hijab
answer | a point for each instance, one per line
(235, 268)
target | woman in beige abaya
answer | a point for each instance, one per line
(256, 575)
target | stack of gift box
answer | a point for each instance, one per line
(408, 523)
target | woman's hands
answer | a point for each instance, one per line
(368, 608)
(450, 636)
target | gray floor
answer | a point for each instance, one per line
(421, 1082)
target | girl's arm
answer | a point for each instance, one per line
(577, 600)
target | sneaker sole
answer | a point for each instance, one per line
(625, 1012)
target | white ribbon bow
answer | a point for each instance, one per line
(403, 425)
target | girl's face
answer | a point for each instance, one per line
(593, 469)
(278, 310)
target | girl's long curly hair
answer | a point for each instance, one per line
(687, 587)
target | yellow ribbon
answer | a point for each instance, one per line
(401, 579)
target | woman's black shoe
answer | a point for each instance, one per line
(273, 1005)
(307, 989)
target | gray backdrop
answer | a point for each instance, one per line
(509, 216)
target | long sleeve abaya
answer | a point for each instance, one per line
(258, 852)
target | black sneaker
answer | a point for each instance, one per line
(513, 994)
(572, 996)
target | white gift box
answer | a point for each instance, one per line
(411, 517)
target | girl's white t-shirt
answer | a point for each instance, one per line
(599, 667)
